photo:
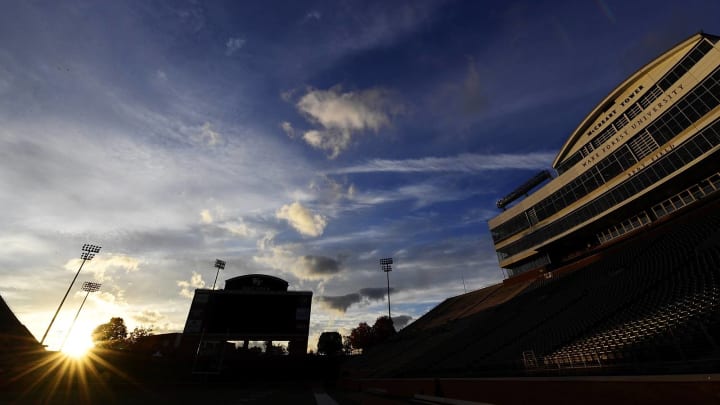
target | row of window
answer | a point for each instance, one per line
(687, 196)
(624, 227)
(685, 64)
(680, 116)
(642, 145)
(661, 168)
(529, 265)
(682, 67)
(666, 207)
(704, 98)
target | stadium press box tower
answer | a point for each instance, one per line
(648, 150)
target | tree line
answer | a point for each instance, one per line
(361, 338)
(115, 335)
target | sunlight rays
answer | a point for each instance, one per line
(49, 377)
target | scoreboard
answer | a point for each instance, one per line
(249, 314)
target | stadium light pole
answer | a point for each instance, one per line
(220, 265)
(88, 252)
(86, 286)
(386, 266)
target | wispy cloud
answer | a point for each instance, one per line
(209, 136)
(468, 163)
(424, 194)
(233, 45)
(312, 15)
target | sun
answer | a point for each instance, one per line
(77, 348)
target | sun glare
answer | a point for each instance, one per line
(77, 348)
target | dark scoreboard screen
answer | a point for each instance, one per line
(249, 313)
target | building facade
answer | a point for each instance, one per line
(649, 149)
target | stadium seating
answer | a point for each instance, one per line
(649, 303)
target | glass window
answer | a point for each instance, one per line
(633, 111)
(645, 178)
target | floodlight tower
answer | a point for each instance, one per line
(220, 265)
(86, 286)
(386, 266)
(88, 252)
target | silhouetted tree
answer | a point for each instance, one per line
(364, 337)
(330, 343)
(111, 335)
(136, 334)
(361, 337)
(383, 329)
(274, 350)
(347, 346)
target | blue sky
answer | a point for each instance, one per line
(305, 140)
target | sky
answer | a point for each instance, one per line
(301, 139)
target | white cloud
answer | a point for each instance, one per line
(105, 297)
(331, 140)
(313, 15)
(187, 288)
(351, 110)
(468, 163)
(136, 184)
(329, 189)
(206, 217)
(288, 128)
(148, 317)
(233, 45)
(341, 115)
(208, 135)
(288, 94)
(279, 258)
(110, 302)
(302, 219)
(103, 266)
(238, 227)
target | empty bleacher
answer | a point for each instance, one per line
(646, 304)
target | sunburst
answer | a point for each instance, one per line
(76, 375)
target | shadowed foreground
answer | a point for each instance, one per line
(109, 377)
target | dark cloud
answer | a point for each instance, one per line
(374, 294)
(319, 265)
(342, 302)
(401, 320)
